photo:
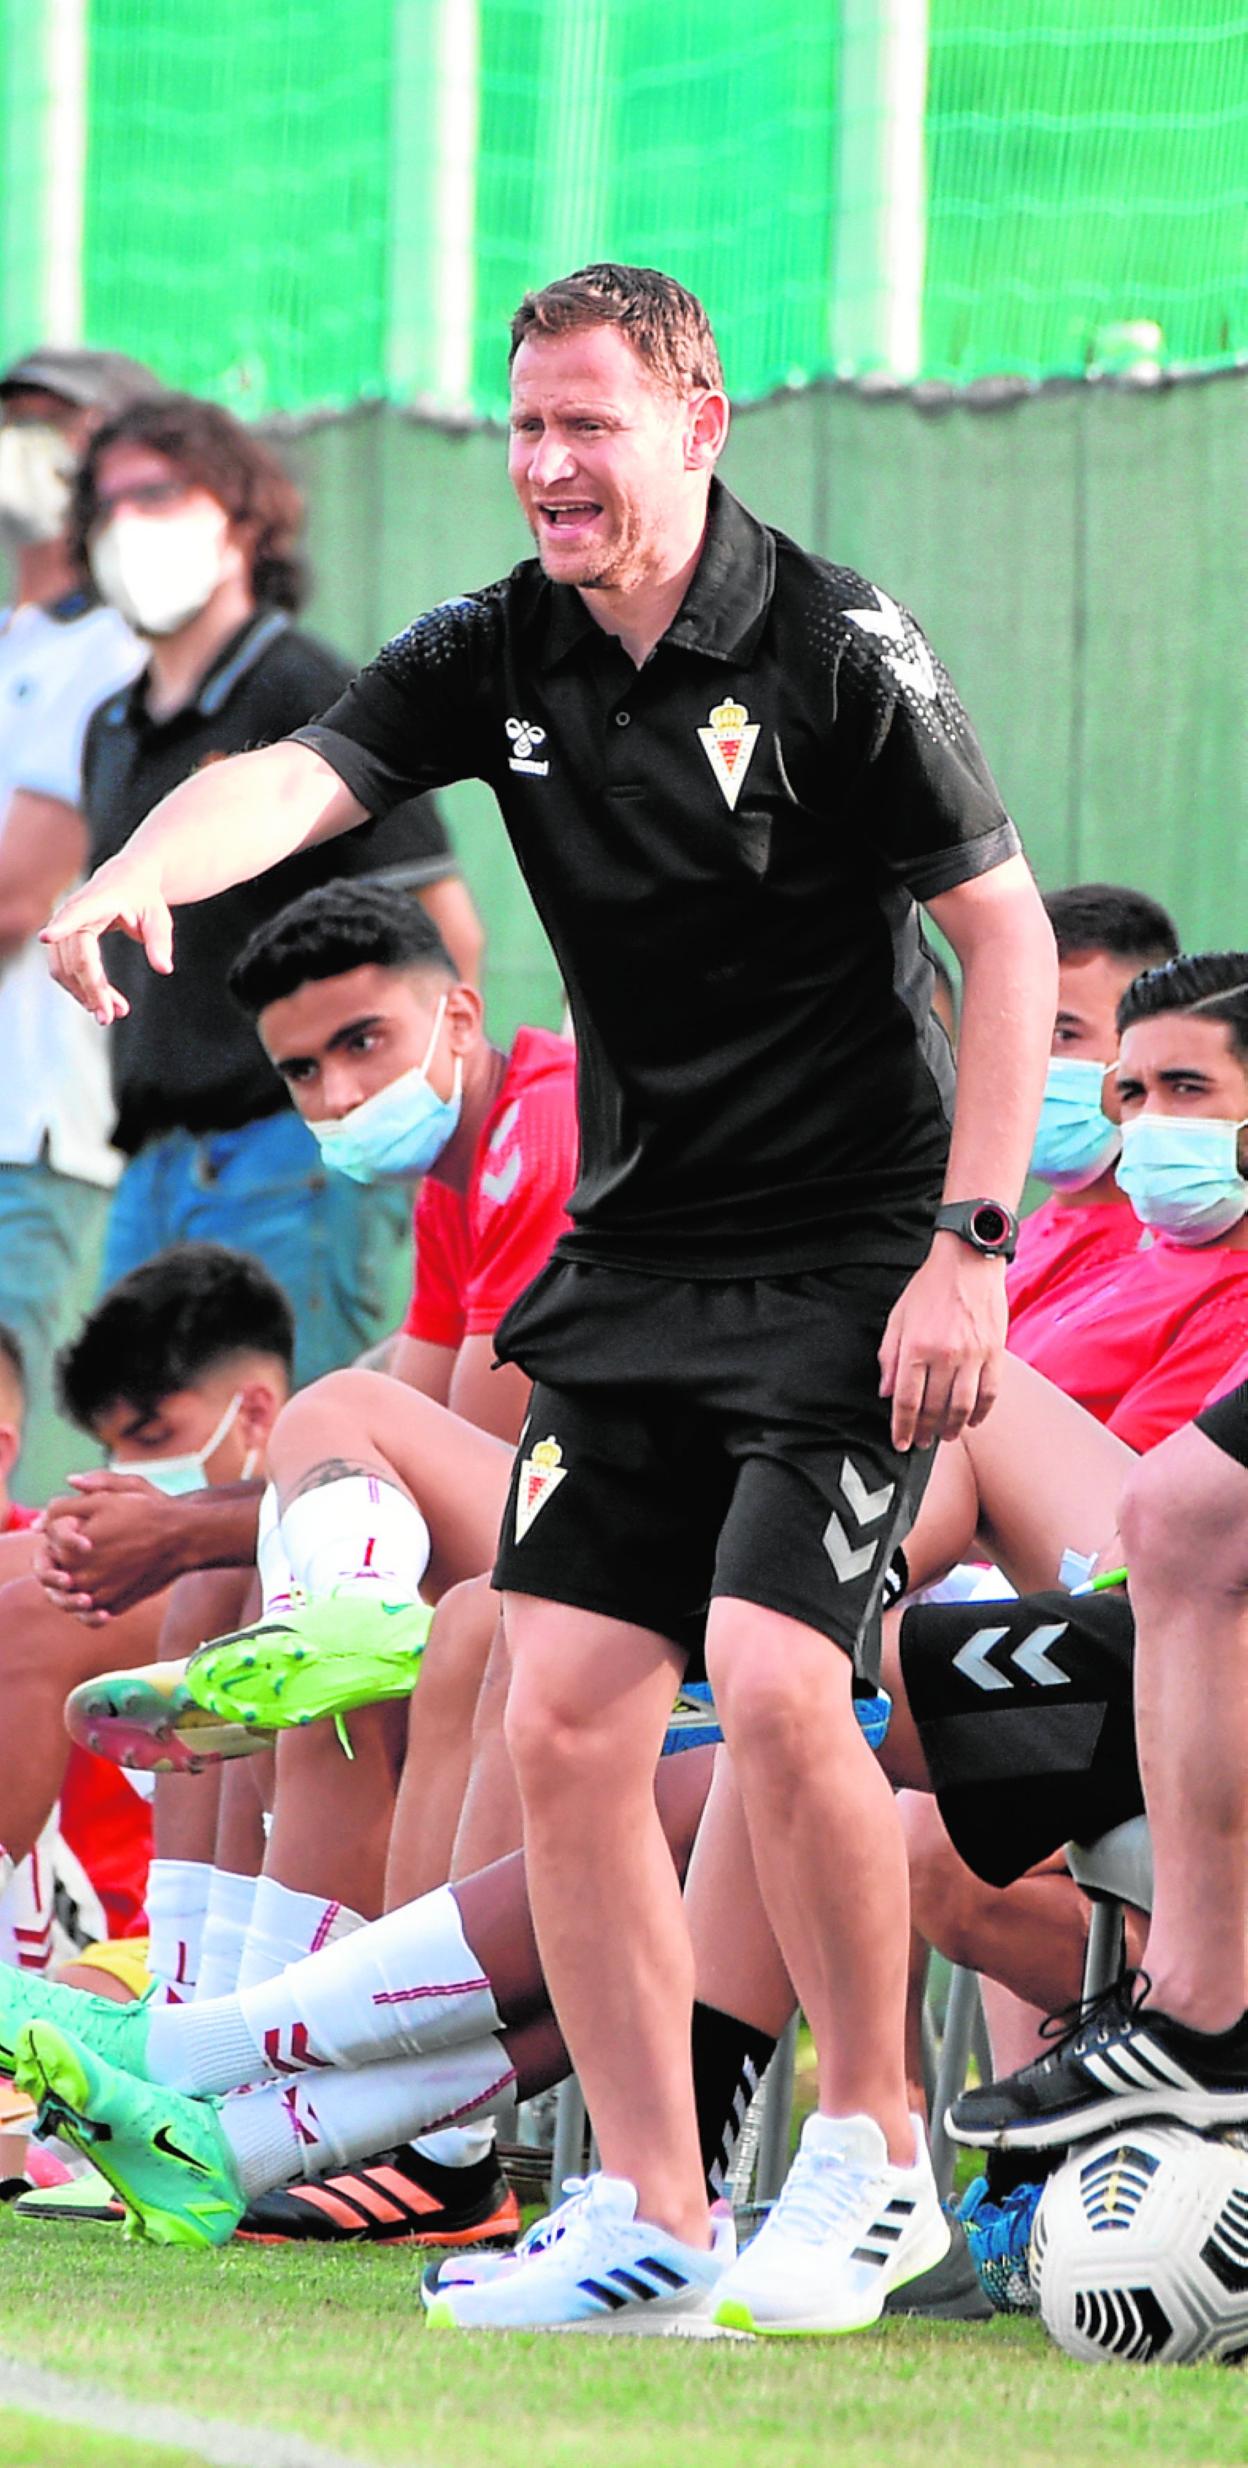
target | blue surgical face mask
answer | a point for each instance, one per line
(400, 1130)
(1181, 1175)
(1074, 1141)
(175, 1476)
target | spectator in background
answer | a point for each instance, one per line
(1106, 934)
(60, 654)
(188, 523)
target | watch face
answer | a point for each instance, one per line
(990, 1225)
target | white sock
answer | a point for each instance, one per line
(226, 1922)
(281, 2131)
(357, 1536)
(285, 1926)
(400, 1986)
(27, 1904)
(460, 2146)
(272, 1560)
(177, 1903)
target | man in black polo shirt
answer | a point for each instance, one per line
(187, 523)
(728, 770)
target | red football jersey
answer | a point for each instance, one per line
(1060, 1241)
(1143, 1340)
(476, 1250)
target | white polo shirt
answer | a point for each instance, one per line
(56, 665)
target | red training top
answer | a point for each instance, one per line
(1141, 1340)
(1057, 1242)
(477, 1250)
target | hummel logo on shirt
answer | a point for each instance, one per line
(526, 737)
(900, 642)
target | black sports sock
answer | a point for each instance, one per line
(729, 2061)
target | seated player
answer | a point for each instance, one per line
(1105, 935)
(1140, 1340)
(179, 1371)
(1172, 2039)
(357, 993)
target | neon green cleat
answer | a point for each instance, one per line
(325, 1658)
(163, 2153)
(148, 1720)
(115, 2032)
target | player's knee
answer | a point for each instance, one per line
(761, 1703)
(1172, 1536)
(556, 1740)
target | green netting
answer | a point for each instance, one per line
(1087, 170)
(297, 204)
(237, 194)
(663, 132)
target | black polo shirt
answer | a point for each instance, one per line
(186, 1058)
(725, 848)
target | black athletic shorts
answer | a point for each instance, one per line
(1025, 1714)
(1226, 1423)
(689, 1438)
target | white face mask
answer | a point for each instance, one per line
(159, 570)
(36, 466)
(177, 1475)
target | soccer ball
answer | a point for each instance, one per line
(1140, 2247)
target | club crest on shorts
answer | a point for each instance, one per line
(728, 744)
(540, 1474)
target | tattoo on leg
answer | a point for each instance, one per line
(335, 1470)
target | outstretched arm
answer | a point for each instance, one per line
(942, 1349)
(222, 826)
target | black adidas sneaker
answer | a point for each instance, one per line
(1112, 2058)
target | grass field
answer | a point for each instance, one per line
(331, 2346)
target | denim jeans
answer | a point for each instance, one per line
(51, 1236)
(341, 1250)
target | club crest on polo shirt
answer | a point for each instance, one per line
(540, 1474)
(728, 743)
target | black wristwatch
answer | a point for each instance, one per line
(987, 1225)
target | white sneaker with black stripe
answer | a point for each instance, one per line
(599, 2268)
(847, 2230)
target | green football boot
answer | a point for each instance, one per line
(164, 2154)
(116, 2032)
(147, 1719)
(325, 1658)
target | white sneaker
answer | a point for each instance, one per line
(599, 2268)
(848, 2229)
(471, 2266)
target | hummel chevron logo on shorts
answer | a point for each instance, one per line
(1114, 2058)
